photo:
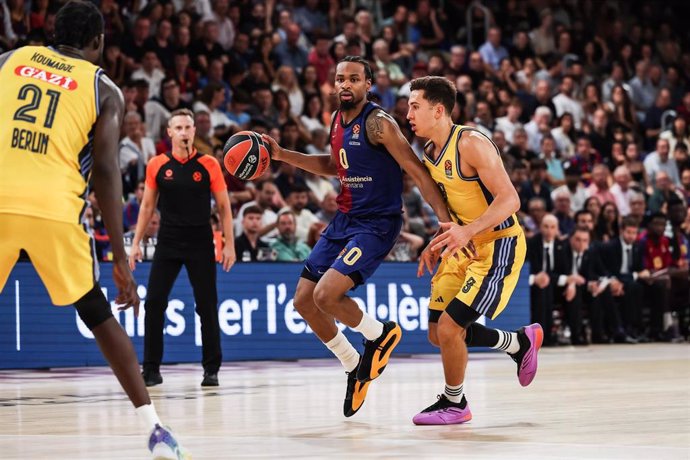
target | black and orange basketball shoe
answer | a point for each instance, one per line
(355, 393)
(377, 352)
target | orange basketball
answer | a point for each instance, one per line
(246, 155)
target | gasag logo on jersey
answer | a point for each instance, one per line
(448, 166)
(48, 77)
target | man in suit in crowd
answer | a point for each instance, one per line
(621, 261)
(543, 250)
(576, 272)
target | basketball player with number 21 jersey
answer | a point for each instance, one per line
(367, 154)
(60, 120)
(482, 202)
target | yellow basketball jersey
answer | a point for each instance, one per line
(467, 197)
(49, 108)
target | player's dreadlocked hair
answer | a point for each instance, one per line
(77, 23)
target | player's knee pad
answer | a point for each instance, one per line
(461, 313)
(93, 308)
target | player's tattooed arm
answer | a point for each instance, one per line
(378, 124)
(383, 130)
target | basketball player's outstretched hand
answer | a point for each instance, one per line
(273, 148)
(126, 287)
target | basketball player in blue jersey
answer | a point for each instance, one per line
(482, 201)
(61, 98)
(367, 154)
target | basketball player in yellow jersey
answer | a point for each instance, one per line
(484, 248)
(60, 119)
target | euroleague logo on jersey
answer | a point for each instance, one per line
(448, 166)
(168, 174)
(45, 76)
(196, 176)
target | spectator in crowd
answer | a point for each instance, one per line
(555, 175)
(606, 228)
(151, 72)
(320, 58)
(161, 44)
(248, 244)
(657, 259)
(678, 133)
(538, 127)
(593, 205)
(636, 166)
(266, 192)
(135, 152)
(205, 141)
(147, 245)
(383, 90)
(286, 80)
(537, 185)
(185, 76)
(621, 260)
(663, 191)
(297, 200)
(599, 187)
(130, 211)
(543, 250)
(286, 246)
(563, 212)
(226, 28)
(660, 160)
(290, 52)
(685, 185)
(492, 51)
(565, 136)
(383, 60)
(133, 46)
(520, 149)
(585, 219)
(574, 187)
(621, 190)
(510, 122)
(565, 102)
(212, 100)
(207, 49)
(653, 118)
(329, 206)
(159, 108)
(576, 269)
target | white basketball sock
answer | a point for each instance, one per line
(507, 341)
(370, 328)
(454, 393)
(344, 351)
(147, 413)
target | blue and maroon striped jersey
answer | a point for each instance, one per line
(370, 178)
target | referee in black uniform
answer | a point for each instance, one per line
(182, 182)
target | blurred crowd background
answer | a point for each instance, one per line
(588, 102)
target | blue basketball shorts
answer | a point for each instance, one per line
(354, 246)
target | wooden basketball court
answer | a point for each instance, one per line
(613, 402)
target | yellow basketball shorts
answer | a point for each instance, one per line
(62, 254)
(485, 282)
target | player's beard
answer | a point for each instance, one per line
(348, 105)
